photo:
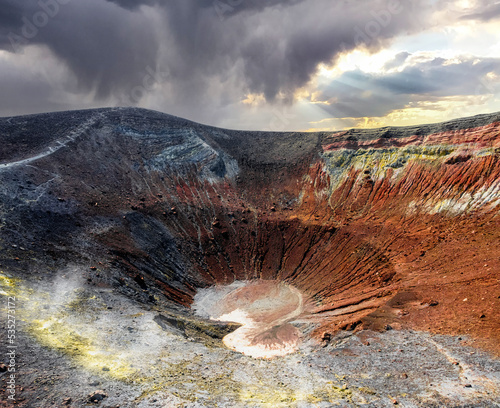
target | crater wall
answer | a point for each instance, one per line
(386, 227)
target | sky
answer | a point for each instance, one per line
(300, 65)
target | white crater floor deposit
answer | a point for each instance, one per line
(265, 310)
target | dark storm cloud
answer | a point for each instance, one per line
(439, 77)
(104, 46)
(133, 4)
(360, 94)
(30, 94)
(237, 46)
(279, 49)
(10, 14)
(219, 6)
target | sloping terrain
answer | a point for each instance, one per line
(393, 228)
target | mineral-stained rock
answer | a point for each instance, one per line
(203, 330)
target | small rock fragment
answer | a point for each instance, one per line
(97, 396)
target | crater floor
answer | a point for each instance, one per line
(265, 310)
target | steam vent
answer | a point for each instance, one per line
(156, 262)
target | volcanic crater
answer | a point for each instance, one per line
(170, 263)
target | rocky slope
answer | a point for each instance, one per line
(387, 228)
